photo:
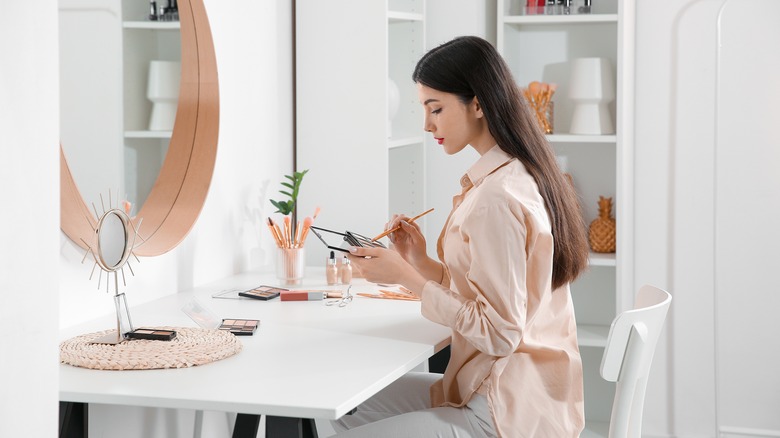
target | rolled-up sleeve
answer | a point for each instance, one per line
(492, 314)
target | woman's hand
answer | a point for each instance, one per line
(380, 265)
(408, 241)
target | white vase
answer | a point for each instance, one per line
(592, 88)
(163, 91)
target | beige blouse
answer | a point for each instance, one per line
(513, 338)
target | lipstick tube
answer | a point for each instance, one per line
(308, 295)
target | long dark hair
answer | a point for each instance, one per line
(470, 66)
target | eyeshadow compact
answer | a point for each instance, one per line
(262, 292)
(152, 334)
(240, 327)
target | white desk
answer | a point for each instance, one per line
(306, 360)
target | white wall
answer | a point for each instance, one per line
(253, 44)
(29, 223)
(445, 20)
(713, 248)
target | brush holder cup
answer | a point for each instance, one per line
(290, 265)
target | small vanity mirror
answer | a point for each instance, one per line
(113, 243)
(115, 237)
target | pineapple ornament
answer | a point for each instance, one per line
(602, 230)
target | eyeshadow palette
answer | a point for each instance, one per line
(152, 334)
(262, 292)
(240, 327)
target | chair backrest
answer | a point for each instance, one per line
(628, 355)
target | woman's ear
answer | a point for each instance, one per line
(477, 107)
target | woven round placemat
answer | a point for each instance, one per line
(190, 347)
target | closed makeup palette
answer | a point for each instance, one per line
(152, 334)
(262, 292)
(240, 327)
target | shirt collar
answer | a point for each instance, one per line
(487, 164)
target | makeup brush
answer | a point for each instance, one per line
(287, 230)
(277, 237)
(399, 227)
(534, 87)
(306, 225)
(297, 240)
(316, 212)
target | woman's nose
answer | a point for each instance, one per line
(427, 125)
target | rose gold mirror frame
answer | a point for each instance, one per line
(177, 196)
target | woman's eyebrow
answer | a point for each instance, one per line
(429, 101)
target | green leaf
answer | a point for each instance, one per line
(288, 206)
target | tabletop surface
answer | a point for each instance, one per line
(305, 360)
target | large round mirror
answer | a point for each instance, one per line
(127, 144)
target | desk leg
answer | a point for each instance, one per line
(438, 362)
(246, 426)
(286, 427)
(73, 420)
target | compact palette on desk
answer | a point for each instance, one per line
(240, 327)
(262, 292)
(152, 334)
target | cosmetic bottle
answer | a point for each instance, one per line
(345, 271)
(331, 270)
(152, 10)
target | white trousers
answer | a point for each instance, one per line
(403, 410)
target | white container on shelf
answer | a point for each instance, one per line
(163, 91)
(592, 88)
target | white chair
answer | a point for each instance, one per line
(628, 355)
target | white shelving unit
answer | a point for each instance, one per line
(406, 157)
(142, 42)
(540, 48)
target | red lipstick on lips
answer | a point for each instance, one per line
(440, 140)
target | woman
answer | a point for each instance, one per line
(513, 242)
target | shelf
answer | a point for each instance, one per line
(399, 142)
(148, 134)
(578, 138)
(561, 19)
(160, 25)
(396, 16)
(602, 259)
(591, 335)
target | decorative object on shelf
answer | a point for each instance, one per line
(393, 103)
(153, 10)
(592, 88)
(291, 257)
(555, 7)
(602, 230)
(111, 248)
(163, 91)
(539, 96)
(170, 12)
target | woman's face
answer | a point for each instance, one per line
(453, 123)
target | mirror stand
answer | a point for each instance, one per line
(114, 240)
